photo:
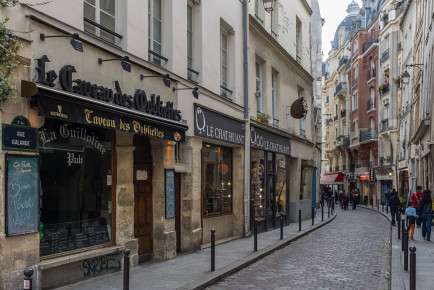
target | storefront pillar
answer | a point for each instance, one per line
(125, 195)
(238, 190)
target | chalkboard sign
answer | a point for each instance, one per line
(170, 192)
(22, 194)
(63, 237)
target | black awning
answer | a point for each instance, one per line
(76, 109)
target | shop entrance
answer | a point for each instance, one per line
(143, 223)
(271, 198)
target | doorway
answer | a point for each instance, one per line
(143, 216)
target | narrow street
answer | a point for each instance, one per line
(352, 252)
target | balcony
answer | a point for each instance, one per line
(341, 88)
(370, 105)
(388, 160)
(384, 126)
(336, 168)
(355, 82)
(368, 44)
(371, 74)
(383, 89)
(342, 61)
(399, 47)
(343, 142)
(368, 136)
(385, 55)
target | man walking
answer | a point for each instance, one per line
(393, 203)
(415, 198)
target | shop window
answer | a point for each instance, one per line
(280, 184)
(257, 180)
(76, 187)
(155, 20)
(217, 180)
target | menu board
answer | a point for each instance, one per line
(169, 175)
(58, 238)
(22, 194)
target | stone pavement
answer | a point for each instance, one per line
(424, 259)
(192, 271)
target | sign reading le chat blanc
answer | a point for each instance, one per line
(22, 195)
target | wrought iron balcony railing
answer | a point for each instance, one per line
(384, 126)
(367, 135)
(341, 87)
(385, 55)
(370, 105)
(371, 74)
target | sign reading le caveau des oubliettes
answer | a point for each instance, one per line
(210, 124)
(140, 101)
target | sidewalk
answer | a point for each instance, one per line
(192, 271)
(424, 259)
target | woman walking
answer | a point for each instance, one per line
(426, 212)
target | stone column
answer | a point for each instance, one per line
(125, 194)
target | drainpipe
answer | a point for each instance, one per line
(247, 212)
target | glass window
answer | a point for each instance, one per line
(76, 187)
(189, 40)
(280, 184)
(217, 180)
(257, 181)
(102, 12)
(258, 92)
(154, 29)
(274, 95)
(224, 63)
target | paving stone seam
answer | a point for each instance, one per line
(232, 268)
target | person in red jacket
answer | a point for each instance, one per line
(415, 198)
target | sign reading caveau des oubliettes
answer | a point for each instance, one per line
(213, 125)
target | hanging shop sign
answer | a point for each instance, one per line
(19, 138)
(76, 113)
(140, 101)
(210, 124)
(268, 141)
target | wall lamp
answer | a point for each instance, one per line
(166, 78)
(269, 5)
(406, 75)
(194, 92)
(76, 44)
(125, 62)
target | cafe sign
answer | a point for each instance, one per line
(210, 124)
(268, 141)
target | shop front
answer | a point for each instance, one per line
(269, 178)
(222, 140)
(106, 178)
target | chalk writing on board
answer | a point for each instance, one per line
(22, 195)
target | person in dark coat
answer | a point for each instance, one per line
(393, 204)
(425, 210)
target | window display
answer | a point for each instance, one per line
(280, 184)
(257, 183)
(76, 187)
(217, 180)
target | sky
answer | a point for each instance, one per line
(334, 11)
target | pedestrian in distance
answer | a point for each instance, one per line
(426, 212)
(387, 195)
(415, 198)
(410, 218)
(394, 204)
(354, 199)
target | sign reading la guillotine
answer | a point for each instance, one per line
(210, 124)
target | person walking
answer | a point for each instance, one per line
(387, 200)
(425, 210)
(415, 198)
(393, 203)
(410, 218)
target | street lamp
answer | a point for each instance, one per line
(406, 75)
(269, 5)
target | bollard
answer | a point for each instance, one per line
(299, 219)
(398, 221)
(255, 232)
(28, 272)
(322, 212)
(413, 268)
(126, 269)
(281, 226)
(328, 209)
(378, 205)
(405, 238)
(213, 250)
(402, 234)
(313, 216)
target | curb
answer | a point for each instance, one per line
(230, 269)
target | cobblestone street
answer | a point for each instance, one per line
(352, 252)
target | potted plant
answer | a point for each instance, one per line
(263, 117)
(397, 80)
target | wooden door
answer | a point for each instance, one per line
(143, 227)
